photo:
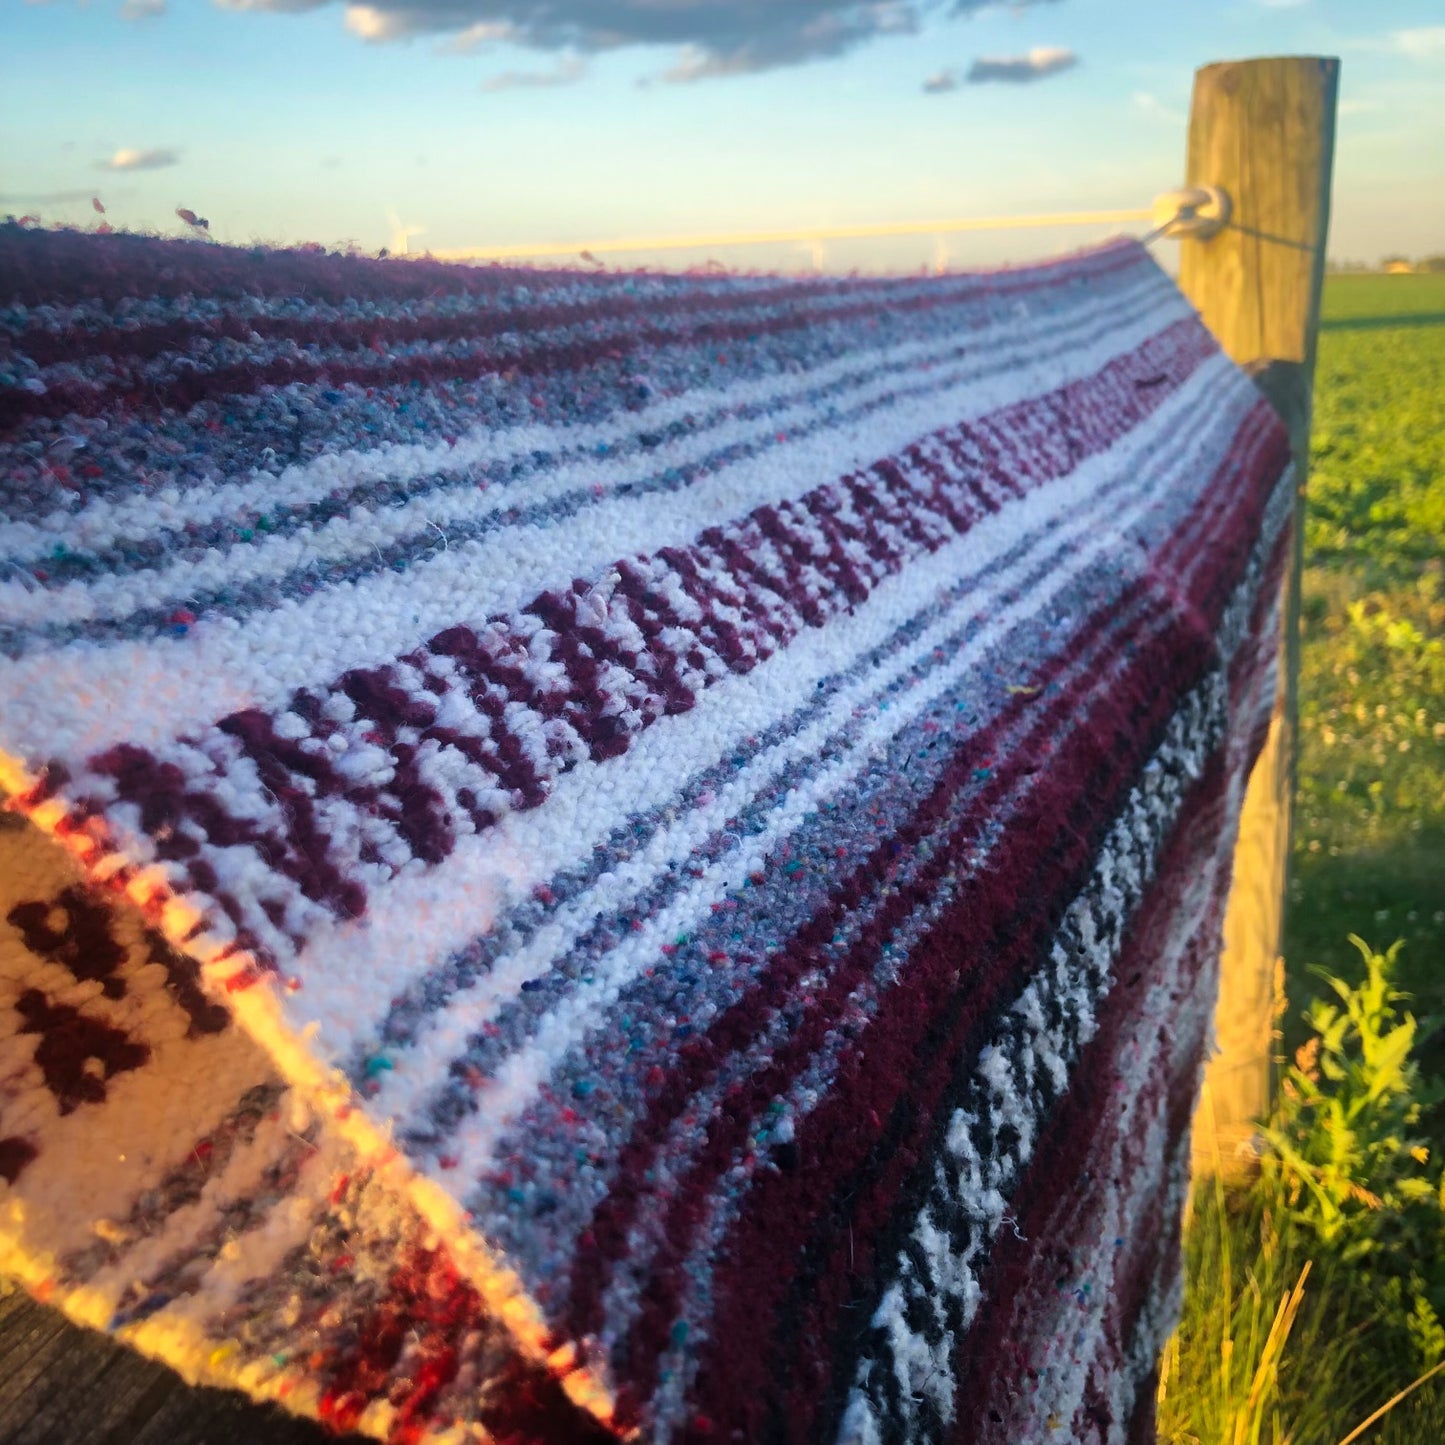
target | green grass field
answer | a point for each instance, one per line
(1352, 1189)
(1370, 824)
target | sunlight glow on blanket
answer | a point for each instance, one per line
(606, 855)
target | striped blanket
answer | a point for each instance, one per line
(615, 855)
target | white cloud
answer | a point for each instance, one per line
(375, 24)
(569, 72)
(1041, 61)
(1426, 42)
(127, 159)
(941, 82)
(142, 9)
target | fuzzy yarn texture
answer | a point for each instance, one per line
(620, 855)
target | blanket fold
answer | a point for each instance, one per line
(617, 855)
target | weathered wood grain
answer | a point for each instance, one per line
(1263, 130)
(62, 1385)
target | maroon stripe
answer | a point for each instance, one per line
(885, 1074)
(1144, 1267)
(993, 1360)
(739, 1026)
(61, 269)
(187, 389)
(889, 1066)
(430, 1307)
(775, 603)
(1001, 1359)
(1255, 462)
(833, 1147)
(1154, 1265)
(1153, 1255)
(606, 303)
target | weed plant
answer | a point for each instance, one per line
(1314, 1295)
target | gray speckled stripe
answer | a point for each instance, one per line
(182, 1186)
(300, 420)
(1064, 994)
(139, 553)
(259, 595)
(538, 1220)
(520, 1018)
(519, 923)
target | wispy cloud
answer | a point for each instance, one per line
(142, 9)
(126, 159)
(941, 82)
(1151, 105)
(43, 198)
(1421, 42)
(569, 72)
(972, 7)
(478, 37)
(1041, 61)
(1425, 42)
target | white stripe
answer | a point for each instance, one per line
(458, 900)
(239, 1180)
(107, 521)
(354, 536)
(159, 688)
(523, 1074)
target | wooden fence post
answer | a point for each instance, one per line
(1264, 131)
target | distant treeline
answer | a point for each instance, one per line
(1386, 264)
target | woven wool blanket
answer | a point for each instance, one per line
(600, 856)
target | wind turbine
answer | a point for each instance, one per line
(400, 234)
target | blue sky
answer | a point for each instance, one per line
(290, 120)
